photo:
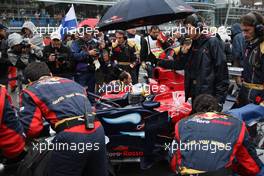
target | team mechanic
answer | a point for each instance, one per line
(12, 138)
(215, 144)
(64, 104)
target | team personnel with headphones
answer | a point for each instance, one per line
(252, 90)
(206, 72)
(203, 61)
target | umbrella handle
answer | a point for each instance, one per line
(146, 27)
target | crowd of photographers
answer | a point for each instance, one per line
(89, 59)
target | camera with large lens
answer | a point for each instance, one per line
(94, 45)
(25, 44)
(60, 57)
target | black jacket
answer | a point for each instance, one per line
(110, 71)
(64, 63)
(253, 73)
(124, 53)
(205, 68)
(238, 45)
(4, 63)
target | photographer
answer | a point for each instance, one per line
(109, 68)
(84, 54)
(20, 53)
(29, 30)
(58, 58)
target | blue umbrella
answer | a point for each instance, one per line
(127, 14)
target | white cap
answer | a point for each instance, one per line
(14, 39)
(55, 35)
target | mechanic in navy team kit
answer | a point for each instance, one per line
(252, 89)
(12, 138)
(64, 104)
(213, 143)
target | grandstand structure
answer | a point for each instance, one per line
(229, 12)
(13, 13)
(205, 8)
(49, 12)
(90, 2)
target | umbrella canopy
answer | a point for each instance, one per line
(91, 22)
(127, 14)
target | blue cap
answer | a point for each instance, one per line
(2, 26)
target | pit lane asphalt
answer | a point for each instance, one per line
(133, 169)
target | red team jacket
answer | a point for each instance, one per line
(12, 139)
(217, 129)
(53, 99)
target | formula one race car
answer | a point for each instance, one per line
(135, 130)
(166, 87)
(143, 118)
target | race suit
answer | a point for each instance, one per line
(12, 138)
(213, 142)
(63, 102)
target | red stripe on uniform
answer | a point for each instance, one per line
(11, 143)
(252, 167)
(173, 163)
(49, 115)
(36, 124)
(2, 102)
(178, 152)
(238, 144)
(177, 136)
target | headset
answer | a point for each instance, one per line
(259, 28)
(197, 22)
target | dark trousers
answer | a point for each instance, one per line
(3, 80)
(79, 162)
(247, 96)
(3, 74)
(86, 79)
(149, 69)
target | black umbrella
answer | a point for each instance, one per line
(127, 14)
